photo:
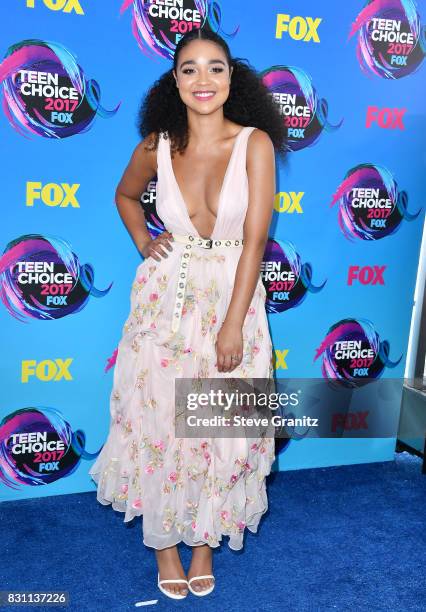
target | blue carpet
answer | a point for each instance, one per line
(339, 538)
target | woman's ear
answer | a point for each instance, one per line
(174, 75)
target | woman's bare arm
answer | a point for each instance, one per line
(141, 168)
(261, 180)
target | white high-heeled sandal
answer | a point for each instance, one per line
(204, 591)
(168, 593)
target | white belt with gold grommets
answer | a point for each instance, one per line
(190, 241)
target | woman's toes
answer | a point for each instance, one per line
(201, 585)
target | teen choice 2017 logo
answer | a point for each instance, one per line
(304, 114)
(370, 204)
(352, 351)
(37, 447)
(41, 278)
(286, 279)
(391, 39)
(158, 26)
(46, 93)
(148, 201)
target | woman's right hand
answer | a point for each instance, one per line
(154, 246)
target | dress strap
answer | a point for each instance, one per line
(160, 154)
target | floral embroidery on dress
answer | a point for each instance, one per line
(231, 521)
(192, 508)
(134, 453)
(206, 299)
(155, 452)
(178, 347)
(169, 518)
(151, 403)
(219, 257)
(211, 539)
(127, 427)
(190, 299)
(203, 367)
(141, 280)
(141, 378)
(209, 318)
(151, 307)
(174, 478)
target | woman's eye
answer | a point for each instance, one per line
(190, 70)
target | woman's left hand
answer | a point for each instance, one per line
(229, 343)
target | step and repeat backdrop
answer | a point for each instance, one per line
(341, 261)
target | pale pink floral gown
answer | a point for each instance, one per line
(187, 489)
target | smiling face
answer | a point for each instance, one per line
(203, 76)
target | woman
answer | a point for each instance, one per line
(209, 130)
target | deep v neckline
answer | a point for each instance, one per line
(224, 181)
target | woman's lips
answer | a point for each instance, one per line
(203, 95)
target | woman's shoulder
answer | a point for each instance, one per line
(151, 140)
(145, 152)
(259, 139)
(256, 135)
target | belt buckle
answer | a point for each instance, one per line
(209, 243)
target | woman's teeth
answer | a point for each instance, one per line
(204, 95)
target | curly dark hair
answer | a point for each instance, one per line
(249, 102)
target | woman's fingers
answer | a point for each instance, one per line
(235, 363)
(168, 237)
(219, 362)
(228, 362)
(225, 363)
(156, 249)
(164, 239)
(151, 253)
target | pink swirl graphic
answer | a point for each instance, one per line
(286, 279)
(37, 447)
(370, 204)
(352, 351)
(304, 114)
(391, 41)
(41, 278)
(158, 28)
(46, 93)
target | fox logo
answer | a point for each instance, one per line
(298, 28)
(66, 6)
(51, 194)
